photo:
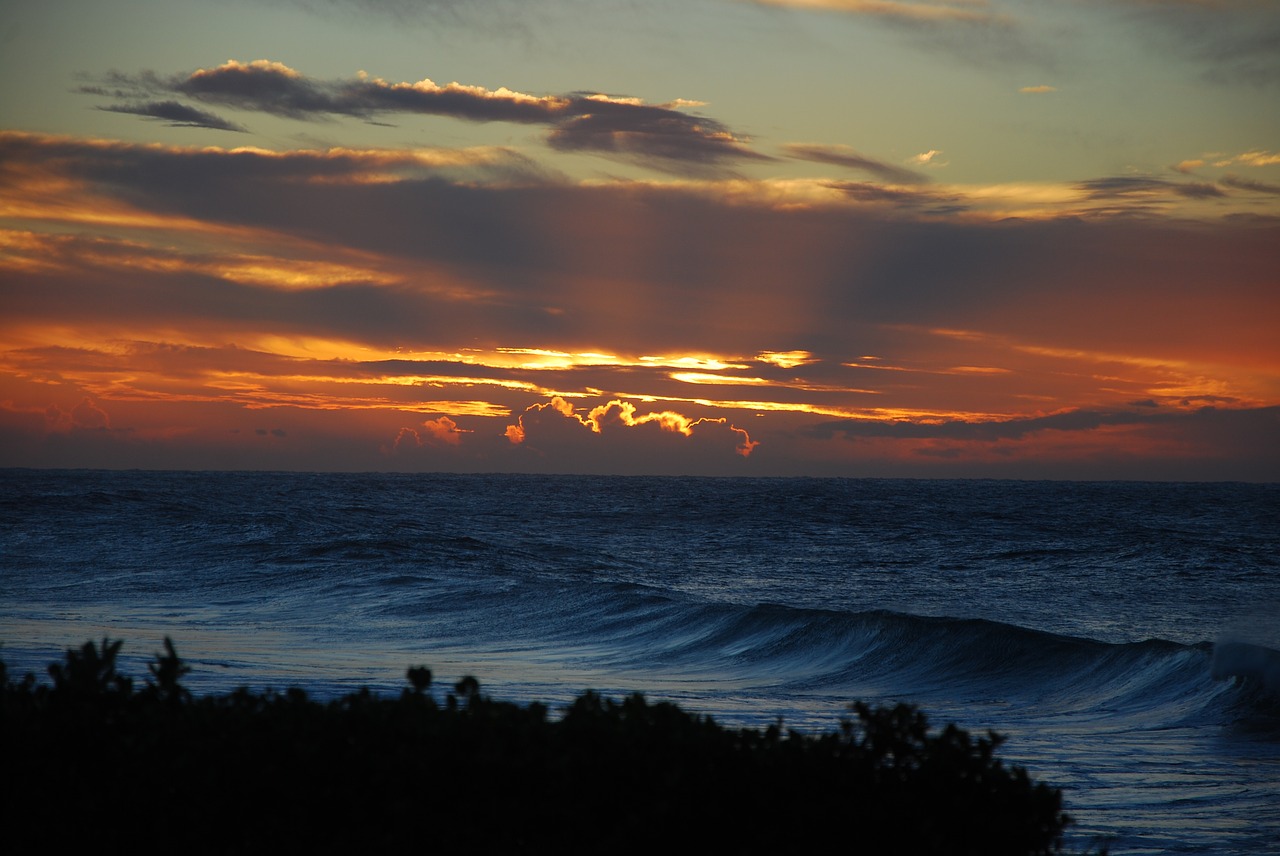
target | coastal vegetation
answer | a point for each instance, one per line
(95, 758)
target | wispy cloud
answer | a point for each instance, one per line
(1233, 41)
(906, 198)
(974, 32)
(1255, 158)
(916, 12)
(1126, 186)
(1250, 185)
(492, 15)
(176, 114)
(1111, 440)
(848, 158)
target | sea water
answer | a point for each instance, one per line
(1123, 637)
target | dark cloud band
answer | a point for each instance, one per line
(843, 156)
(176, 114)
(656, 135)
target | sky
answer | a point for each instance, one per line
(906, 238)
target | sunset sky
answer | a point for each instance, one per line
(717, 237)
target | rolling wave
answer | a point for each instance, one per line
(892, 654)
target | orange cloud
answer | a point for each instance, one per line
(1255, 158)
(87, 414)
(435, 432)
(785, 359)
(614, 416)
(714, 379)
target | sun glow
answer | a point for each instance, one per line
(786, 359)
(726, 380)
(620, 414)
(703, 362)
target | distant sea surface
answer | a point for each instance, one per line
(1124, 637)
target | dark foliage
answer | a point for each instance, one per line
(92, 763)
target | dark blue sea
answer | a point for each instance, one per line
(1124, 637)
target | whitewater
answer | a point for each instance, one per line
(1124, 637)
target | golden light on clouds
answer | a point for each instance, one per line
(785, 359)
(543, 358)
(456, 407)
(343, 292)
(987, 370)
(255, 65)
(755, 406)
(441, 431)
(1256, 158)
(703, 362)
(714, 379)
(617, 415)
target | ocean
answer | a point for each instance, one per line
(1124, 637)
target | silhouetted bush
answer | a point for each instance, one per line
(91, 762)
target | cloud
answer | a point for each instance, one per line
(1234, 41)
(177, 115)
(1250, 185)
(1258, 158)
(1230, 41)
(973, 32)
(1037, 90)
(786, 359)
(88, 415)
(909, 12)
(987, 431)
(272, 87)
(492, 15)
(658, 135)
(184, 286)
(1088, 443)
(655, 136)
(844, 156)
(610, 432)
(1255, 158)
(440, 432)
(379, 249)
(443, 430)
(925, 199)
(1115, 187)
